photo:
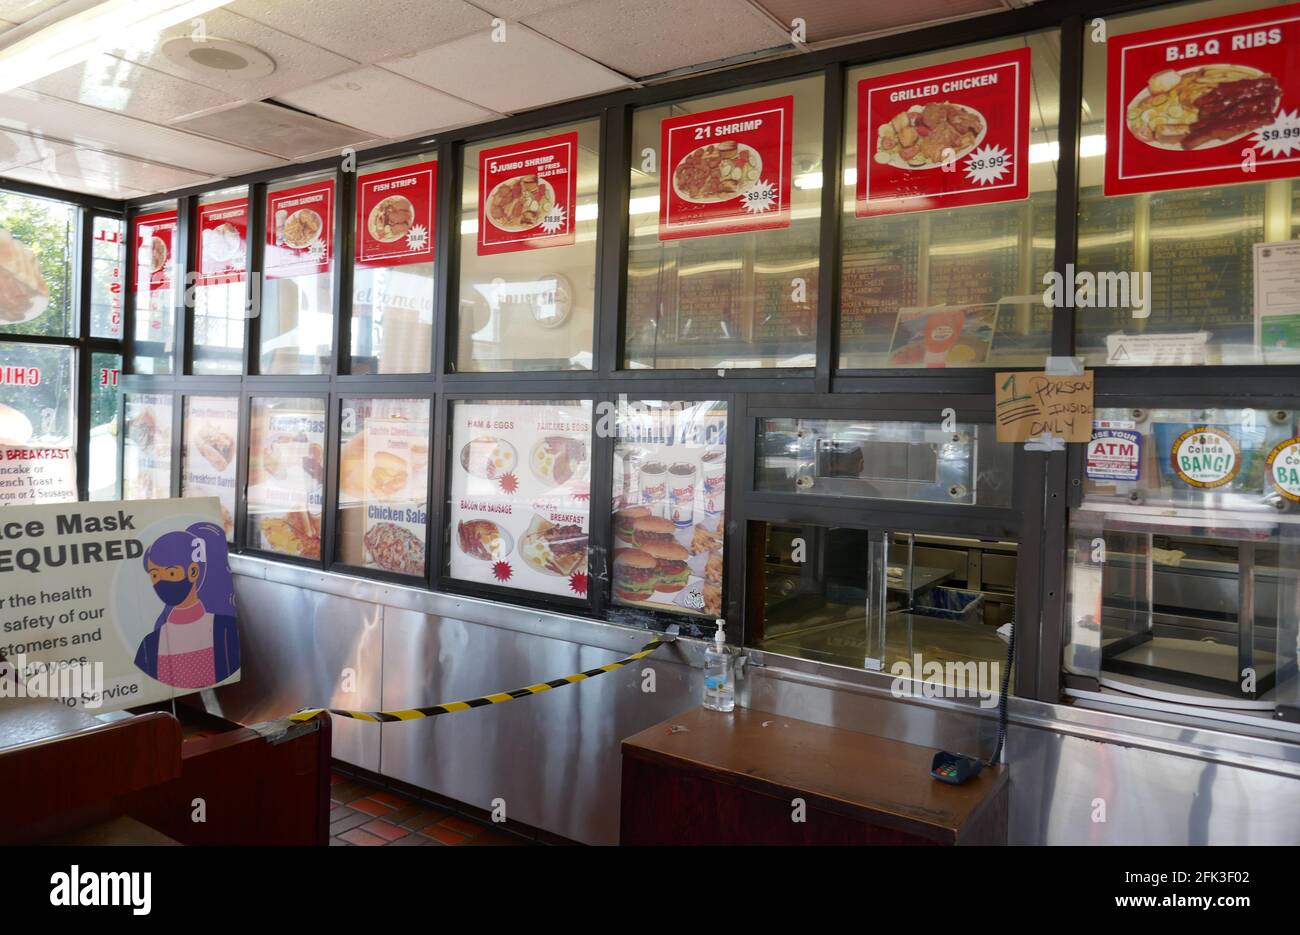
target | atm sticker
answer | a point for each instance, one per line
(1114, 454)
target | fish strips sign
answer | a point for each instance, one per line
(1205, 103)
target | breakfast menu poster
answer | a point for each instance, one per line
(520, 495)
(211, 433)
(223, 235)
(528, 192)
(726, 170)
(944, 136)
(395, 216)
(670, 485)
(1205, 103)
(155, 241)
(300, 230)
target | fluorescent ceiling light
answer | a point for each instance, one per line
(77, 37)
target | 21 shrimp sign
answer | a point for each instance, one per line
(726, 170)
(944, 136)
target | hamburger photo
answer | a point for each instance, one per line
(671, 571)
(649, 529)
(623, 520)
(388, 474)
(635, 575)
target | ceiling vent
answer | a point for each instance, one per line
(273, 128)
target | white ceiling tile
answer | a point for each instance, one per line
(371, 31)
(525, 71)
(836, 19)
(118, 171)
(20, 149)
(518, 9)
(20, 11)
(72, 183)
(276, 129)
(648, 37)
(97, 129)
(384, 104)
(297, 63)
(124, 87)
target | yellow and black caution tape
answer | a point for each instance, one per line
(412, 714)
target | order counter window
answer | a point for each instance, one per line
(1186, 553)
(156, 276)
(1182, 211)
(914, 461)
(950, 176)
(210, 440)
(883, 600)
(724, 229)
(528, 252)
(105, 371)
(297, 311)
(392, 279)
(147, 449)
(220, 288)
(519, 494)
(107, 276)
(669, 502)
(383, 483)
(286, 473)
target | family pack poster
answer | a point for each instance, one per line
(944, 136)
(116, 604)
(528, 193)
(1204, 103)
(300, 230)
(726, 170)
(395, 216)
(155, 242)
(223, 242)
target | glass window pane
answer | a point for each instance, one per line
(934, 286)
(38, 260)
(210, 438)
(286, 468)
(528, 252)
(383, 483)
(107, 276)
(716, 276)
(37, 448)
(1174, 269)
(156, 278)
(392, 280)
(519, 494)
(887, 460)
(220, 293)
(105, 369)
(147, 451)
(670, 484)
(297, 311)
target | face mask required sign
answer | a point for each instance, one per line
(110, 605)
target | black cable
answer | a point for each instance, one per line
(1002, 702)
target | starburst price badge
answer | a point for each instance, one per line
(945, 136)
(725, 171)
(395, 216)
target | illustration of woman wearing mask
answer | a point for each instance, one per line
(194, 643)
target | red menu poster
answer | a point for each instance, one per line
(1206, 103)
(155, 238)
(222, 244)
(300, 230)
(726, 170)
(395, 216)
(527, 194)
(944, 136)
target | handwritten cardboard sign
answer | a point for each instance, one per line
(1029, 404)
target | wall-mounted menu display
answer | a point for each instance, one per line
(726, 170)
(711, 293)
(785, 287)
(528, 193)
(210, 430)
(519, 494)
(395, 216)
(670, 479)
(147, 449)
(944, 136)
(155, 241)
(300, 229)
(222, 251)
(286, 473)
(878, 277)
(1204, 103)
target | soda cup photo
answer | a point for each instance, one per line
(681, 493)
(654, 486)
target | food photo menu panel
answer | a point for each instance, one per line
(520, 494)
(670, 482)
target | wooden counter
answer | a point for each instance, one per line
(731, 779)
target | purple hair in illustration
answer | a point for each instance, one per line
(214, 588)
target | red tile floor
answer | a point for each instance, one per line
(367, 814)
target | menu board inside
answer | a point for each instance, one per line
(147, 450)
(208, 457)
(286, 473)
(670, 481)
(515, 524)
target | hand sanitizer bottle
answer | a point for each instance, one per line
(719, 674)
